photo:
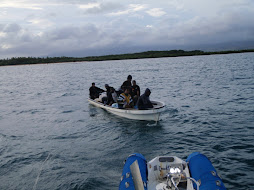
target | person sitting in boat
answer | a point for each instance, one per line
(144, 101)
(135, 92)
(107, 98)
(111, 97)
(114, 94)
(94, 91)
(125, 100)
(127, 83)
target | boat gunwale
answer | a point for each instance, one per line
(130, 111)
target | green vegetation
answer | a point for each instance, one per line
(148, 54)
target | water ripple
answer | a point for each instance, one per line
(210, 108)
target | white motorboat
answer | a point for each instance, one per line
(170, 173)
(151, 114)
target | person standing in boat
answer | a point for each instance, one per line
(144, 101)
(125, 100)
(94, 91)
(127, 83)
(135, 92)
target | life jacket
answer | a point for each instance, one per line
(123, 96)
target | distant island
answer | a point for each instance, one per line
(142, 55)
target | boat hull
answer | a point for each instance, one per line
(148, 115)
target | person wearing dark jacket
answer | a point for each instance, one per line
(94, 91)
(144, 101)
(135, 92)
(127, 83)
(108, 99)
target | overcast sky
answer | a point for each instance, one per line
(87, 27)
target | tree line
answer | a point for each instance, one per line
(142, 55)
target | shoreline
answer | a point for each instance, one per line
(22, 64)
(142, 55)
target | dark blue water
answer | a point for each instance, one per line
(51, 138)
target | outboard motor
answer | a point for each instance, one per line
(202, 170)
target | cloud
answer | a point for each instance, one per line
(20, 5)
(41, 23)
(11, 28)
(176, 4)
(198, 30)
(89, 6)
(99, 8)
(132, 8)
(156, 12)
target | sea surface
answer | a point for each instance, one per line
(51, 138)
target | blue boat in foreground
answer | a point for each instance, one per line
(170, 173)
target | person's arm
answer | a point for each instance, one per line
(140, 103)
(130, 100)
(149, 104)
(123, 86)
(138, 91)
(100, 90)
